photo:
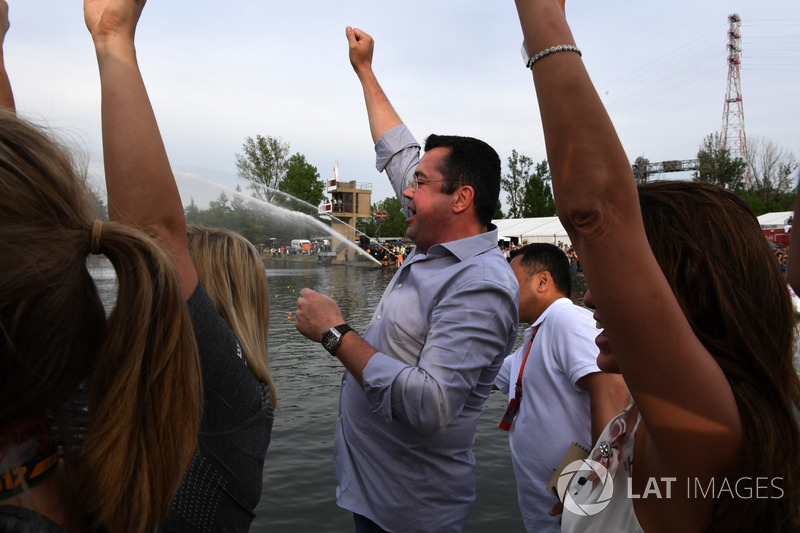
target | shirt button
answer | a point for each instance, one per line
(399, 285)
(378, 317)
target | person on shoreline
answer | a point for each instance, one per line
(416, 382)
(557, 394)
(223, 484)
(705, 346)
(58, 349)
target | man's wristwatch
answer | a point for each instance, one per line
(332, 338)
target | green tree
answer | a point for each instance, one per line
(717, 166)
(394, 225)
(99, 206)
(528, 188)
(302, 181)
(263, 164)
(771, 176)
(640, 171)
(764, 181)
(498, 213)
(218, 213)
(245, 218)
(513, 183)
(193, 213)
(537, 198)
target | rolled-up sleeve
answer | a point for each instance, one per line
(397, 152)
(467, 336)
(503, 379)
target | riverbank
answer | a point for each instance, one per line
(275, 261)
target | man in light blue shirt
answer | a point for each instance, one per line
(417, 380)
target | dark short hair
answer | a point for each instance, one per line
(545, 257)
(470, 162)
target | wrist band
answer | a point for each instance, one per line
(553, 50)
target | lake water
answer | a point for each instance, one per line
(299, 482)
(299, 486)
(299, 491)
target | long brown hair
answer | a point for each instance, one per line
(234, 276)
(725, 277)
(139, 367)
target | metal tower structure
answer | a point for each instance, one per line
(732, 136)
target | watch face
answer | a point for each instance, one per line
(330, 340)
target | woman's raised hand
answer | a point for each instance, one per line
(112, 18)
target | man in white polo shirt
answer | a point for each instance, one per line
(564, 397)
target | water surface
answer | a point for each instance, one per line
(299, 487)
(299, 482)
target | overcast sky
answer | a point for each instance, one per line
(218, 72)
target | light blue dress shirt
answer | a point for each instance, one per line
(403, 445)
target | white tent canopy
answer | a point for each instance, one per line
(549, 229)
(539, 229)
(778, 219)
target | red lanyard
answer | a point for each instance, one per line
(518, 387)
(514, 403)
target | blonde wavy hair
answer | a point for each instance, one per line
(233, 274)
(139, 367)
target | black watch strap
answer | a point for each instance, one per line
(332, 338)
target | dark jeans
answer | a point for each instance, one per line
(365, 525)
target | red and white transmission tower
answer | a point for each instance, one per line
(732, 136)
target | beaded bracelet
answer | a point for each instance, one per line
(553, 50)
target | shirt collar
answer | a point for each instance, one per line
(464, 248)
(561, 301)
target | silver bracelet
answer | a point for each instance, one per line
(553, 50)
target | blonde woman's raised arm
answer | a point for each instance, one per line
(141, 187)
